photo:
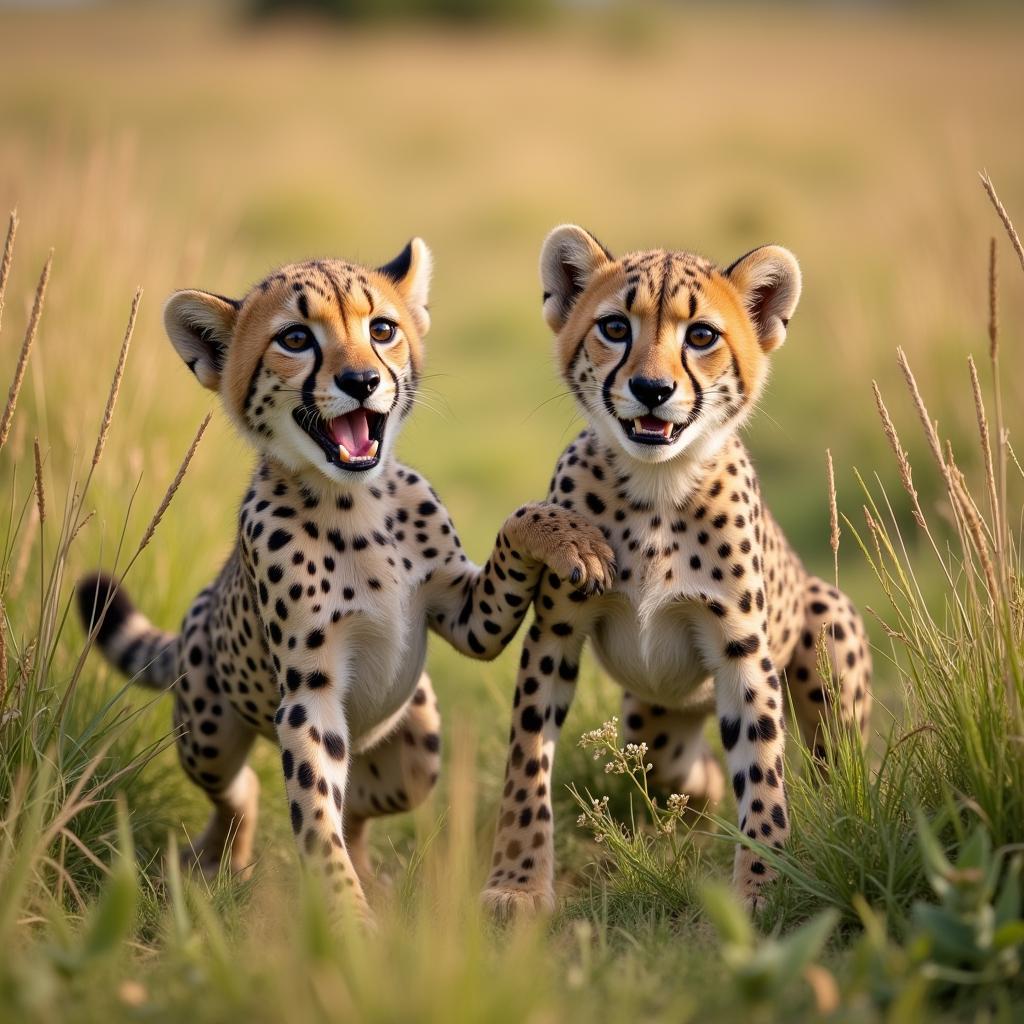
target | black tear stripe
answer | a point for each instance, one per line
(569, 375)
(606, 386)
(251, 389)
(309, 384)
(698, 392)
(739, 376)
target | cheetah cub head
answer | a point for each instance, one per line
(318, 364)
(665, 352)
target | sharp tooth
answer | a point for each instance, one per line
(666, 428)
(343, 453)
(374, 448)
(638, 427)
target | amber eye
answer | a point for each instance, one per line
(615, 329)
(382, 331)
(295, 338)
(701, 336)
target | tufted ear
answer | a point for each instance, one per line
(199, 325)
(410, 271)
(768, 280)
(568, 260)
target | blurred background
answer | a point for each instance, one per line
(175, 144)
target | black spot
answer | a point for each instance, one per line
(278, 539)
(531, 720)
(739, 648)
(730, 728)
(739, 783)
(334, 744)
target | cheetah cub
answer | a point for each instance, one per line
(666, 355)
(314, 632)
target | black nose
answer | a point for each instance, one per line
(359, 384)
(650, 391)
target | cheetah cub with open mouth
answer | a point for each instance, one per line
(314, 633)
(666, 355)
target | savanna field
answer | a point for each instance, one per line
(159, 146)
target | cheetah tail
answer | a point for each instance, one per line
(127, 638)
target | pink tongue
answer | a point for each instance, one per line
(652, 423)
(353, 431)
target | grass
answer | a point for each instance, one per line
(164, 149)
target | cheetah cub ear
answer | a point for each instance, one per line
(568, 260)
(409, 272)
(200, 325)
(768, 280)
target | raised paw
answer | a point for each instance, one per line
(509, 903)
(572, 547)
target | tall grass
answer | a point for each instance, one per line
(64, 755)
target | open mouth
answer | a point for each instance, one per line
(352, 441)
(651, 430)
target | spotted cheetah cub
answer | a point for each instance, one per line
(667, 355)
(314, 632)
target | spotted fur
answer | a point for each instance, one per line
(314, 632)
(666, 355)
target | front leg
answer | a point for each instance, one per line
(523, 861)
(752, 722)
(478, 610)
(315, 755)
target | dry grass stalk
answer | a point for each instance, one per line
(902, 461)
(833, 513)
(1004, 217)
(922, 411)
(115, 384)
(7, 259)
(993, 301)
(970, 517)
(986, 447)
(40, 493)
(175, 484)
(3, 654)
(26, 348)
(1002, 544)
(79, 526)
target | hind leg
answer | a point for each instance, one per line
(213, 744)
(829, 613)
(395, 775)
(676, 747)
